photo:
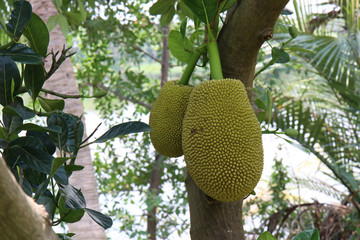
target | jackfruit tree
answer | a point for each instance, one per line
(221, 137)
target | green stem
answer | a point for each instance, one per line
(7, 45)
(215, 64)
(63, 95)
(184, 80)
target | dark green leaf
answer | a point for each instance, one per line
(48, 202)
(279, 55)
(69, 215)
(75, 131)
(50, 105)
(34, 158)
(74, 199)
(59, 139)
(34, 79)
(20, 16)
(26, 187)
(8, 72)
(18, 109)
(37, 128)
(41, 188)
(312, 234)
(22, 53)
(57, 163)
(286, 12)
(3, 143)
(99, 218)
(226, 5)
(45, 141)
(12, 122)
(37, 34)
(266, 236)
(197, 7)
(123, 129)
(72, 168)
(180, 46)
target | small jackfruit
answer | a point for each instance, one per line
(222, 140)
(166, 118)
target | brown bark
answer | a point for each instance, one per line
(250, 24)
(20, 217)
(63, 81)
(157, 170)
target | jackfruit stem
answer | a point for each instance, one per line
(215, 64)
(185, 77)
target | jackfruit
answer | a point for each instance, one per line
(166, 118)
(222, 140)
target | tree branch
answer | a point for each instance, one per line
(102, 86)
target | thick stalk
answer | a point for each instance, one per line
(215, 64)
(185, 77)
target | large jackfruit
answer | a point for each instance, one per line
(222, 140)
(166, 118)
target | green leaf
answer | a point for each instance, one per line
(74, 199)
(22, 53)
(44, 139)
(312, 234)
(166, 17)
(197, 7)
(123, 129)
(180, 47)
(19, 17)
(41, 188)
(37, 128)
(48, 202)
(101, 219)
(18, 109)
(266, 236)
(69, 215)
(161, 7)
(8, 72)
(73, 168)
(64, 26)
(59, 139)
(52, 22)
(34, 79)
(50, 105)
(183, 27)
(75, 129)
(279, 55)
(227, 4)
(57, 163)
(37, 34)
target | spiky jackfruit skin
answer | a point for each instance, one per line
(166, 118)
(222, 140)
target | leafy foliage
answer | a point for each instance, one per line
(30, 155)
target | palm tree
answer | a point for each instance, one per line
(63, 81)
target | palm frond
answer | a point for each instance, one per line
(328, 135)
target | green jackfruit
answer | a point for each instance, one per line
(222, 140)
(166, 118)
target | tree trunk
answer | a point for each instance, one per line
(250, 24)
(63, 81)
(20, 217)
(157, 170)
